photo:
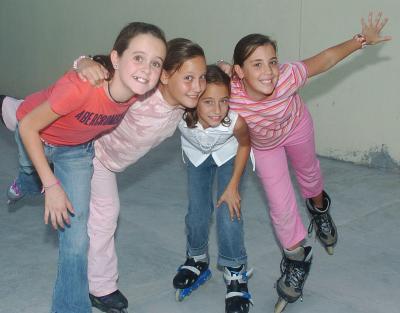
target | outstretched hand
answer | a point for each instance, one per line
(372, 28)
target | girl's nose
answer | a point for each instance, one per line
(217, 108)
(196, 86)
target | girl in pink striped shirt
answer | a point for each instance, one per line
(264, 93)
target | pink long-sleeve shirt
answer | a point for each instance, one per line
(146, 124)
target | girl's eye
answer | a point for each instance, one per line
(189, 78)
(203, 77)
(208, 102)
(274, 62)
(257, 64)
(138, 58)
(156, 64)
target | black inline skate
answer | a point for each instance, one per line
(294, 272)
(114, 302)
(190, 276)
(238, 298)
(325, 228)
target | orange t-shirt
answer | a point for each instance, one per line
(86, 111)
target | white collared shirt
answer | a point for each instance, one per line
(199, 143)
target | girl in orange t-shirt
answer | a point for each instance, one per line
(57, 125)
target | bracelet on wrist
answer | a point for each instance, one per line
(44, 188)
(361, 39)
(76, 61)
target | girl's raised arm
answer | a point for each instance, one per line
(370, 35)
(57, 204)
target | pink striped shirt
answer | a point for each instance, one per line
(271, 120)
(146, 124)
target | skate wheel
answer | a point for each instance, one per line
(280, 305)
(330, 250)
(178, 295)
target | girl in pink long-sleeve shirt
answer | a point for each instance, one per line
(146, 125)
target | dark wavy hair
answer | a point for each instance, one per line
(125, 36)
(214, 75)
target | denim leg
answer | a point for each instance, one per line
(74, 169)
(200, 181)
(27, 180)
(230, 236)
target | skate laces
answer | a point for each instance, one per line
(295, 273)
(323, 222)
(321, 217)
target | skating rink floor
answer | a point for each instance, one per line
(363, 276)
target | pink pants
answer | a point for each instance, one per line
(103, 217)
(272, 169)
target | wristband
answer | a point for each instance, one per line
(221, 62)
(75, 64)
(361, 39)
(44, 188)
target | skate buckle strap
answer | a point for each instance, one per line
(241, 277)
(242, 294)
(190, 268)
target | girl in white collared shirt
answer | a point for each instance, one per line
(215, 141)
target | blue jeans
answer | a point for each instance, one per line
(73, 168)
(231, 250)
(27, 180)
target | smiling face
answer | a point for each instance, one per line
(139, 67)
(184, 85)
(260, 72)
(213, 105)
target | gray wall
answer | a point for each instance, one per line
(354, 106)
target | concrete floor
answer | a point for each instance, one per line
(362, 277)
